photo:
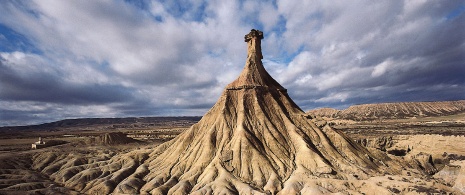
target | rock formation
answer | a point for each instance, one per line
(454, 175)
(380, 143)
(113, 139)
(424, 162)
(255, 139)
(393, 110)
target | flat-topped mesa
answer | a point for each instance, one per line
(254, 74)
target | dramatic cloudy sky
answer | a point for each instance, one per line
(113, 58)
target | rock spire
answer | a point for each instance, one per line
(254, 140)
(254, 74)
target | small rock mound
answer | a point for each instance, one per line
(380, 143)
(424, 162)
(114, 139)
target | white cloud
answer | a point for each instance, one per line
(334, 97)
(268, 16)
(167, 55)
(304, 79)
(381, 68)
(302, 64)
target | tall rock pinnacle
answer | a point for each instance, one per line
(254, 74)
(254, 48)
(255, 140)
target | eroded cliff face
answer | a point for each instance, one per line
(394, 110)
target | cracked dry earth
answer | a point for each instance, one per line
(254, 140)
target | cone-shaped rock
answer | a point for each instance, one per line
(254, 140)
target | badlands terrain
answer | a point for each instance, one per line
(254, 140)
(393, 110)
(24, 171)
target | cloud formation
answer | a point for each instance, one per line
(65, 59)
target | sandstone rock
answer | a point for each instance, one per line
(380, 143)
(424, 162)
(393, 110)
(256, 139)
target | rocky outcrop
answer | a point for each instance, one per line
(255, 140)
(380, 143)
(424, 162)
(449, 174)
(393, 110)
(113, 139)
(324, 112)
(453, 173)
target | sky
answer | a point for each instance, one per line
(62, 59)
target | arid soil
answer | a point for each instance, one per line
(24, 170)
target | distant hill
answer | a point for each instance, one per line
(393, 110)
(109, 122)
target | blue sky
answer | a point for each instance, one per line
(72, 59)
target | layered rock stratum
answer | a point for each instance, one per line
(393, 110)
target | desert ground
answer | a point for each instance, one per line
(439, 137)
(96, 139)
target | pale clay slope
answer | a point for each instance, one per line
(393, 110)
(254, 140)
